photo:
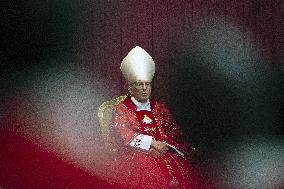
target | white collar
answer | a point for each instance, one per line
(141, 105)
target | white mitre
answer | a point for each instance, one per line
(138, 65)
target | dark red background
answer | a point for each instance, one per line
(95, 36)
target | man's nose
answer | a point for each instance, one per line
(144, 86)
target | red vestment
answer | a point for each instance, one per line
(139, 169)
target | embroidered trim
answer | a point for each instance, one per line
(147, 120)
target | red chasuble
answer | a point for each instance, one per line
(139, 169)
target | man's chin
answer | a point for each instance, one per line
(144, 99)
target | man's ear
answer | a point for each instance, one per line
(130, 90)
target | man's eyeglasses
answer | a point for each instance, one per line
(140, 85)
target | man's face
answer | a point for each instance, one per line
(140, 90)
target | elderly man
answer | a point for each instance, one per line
(147, 131)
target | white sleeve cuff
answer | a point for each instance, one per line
(142, 141)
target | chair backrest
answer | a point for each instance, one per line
(105, 114)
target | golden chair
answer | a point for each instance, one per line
(105, 113)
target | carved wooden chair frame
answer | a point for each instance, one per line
(105, 114)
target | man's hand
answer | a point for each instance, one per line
(158, 148)
(154, 152)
